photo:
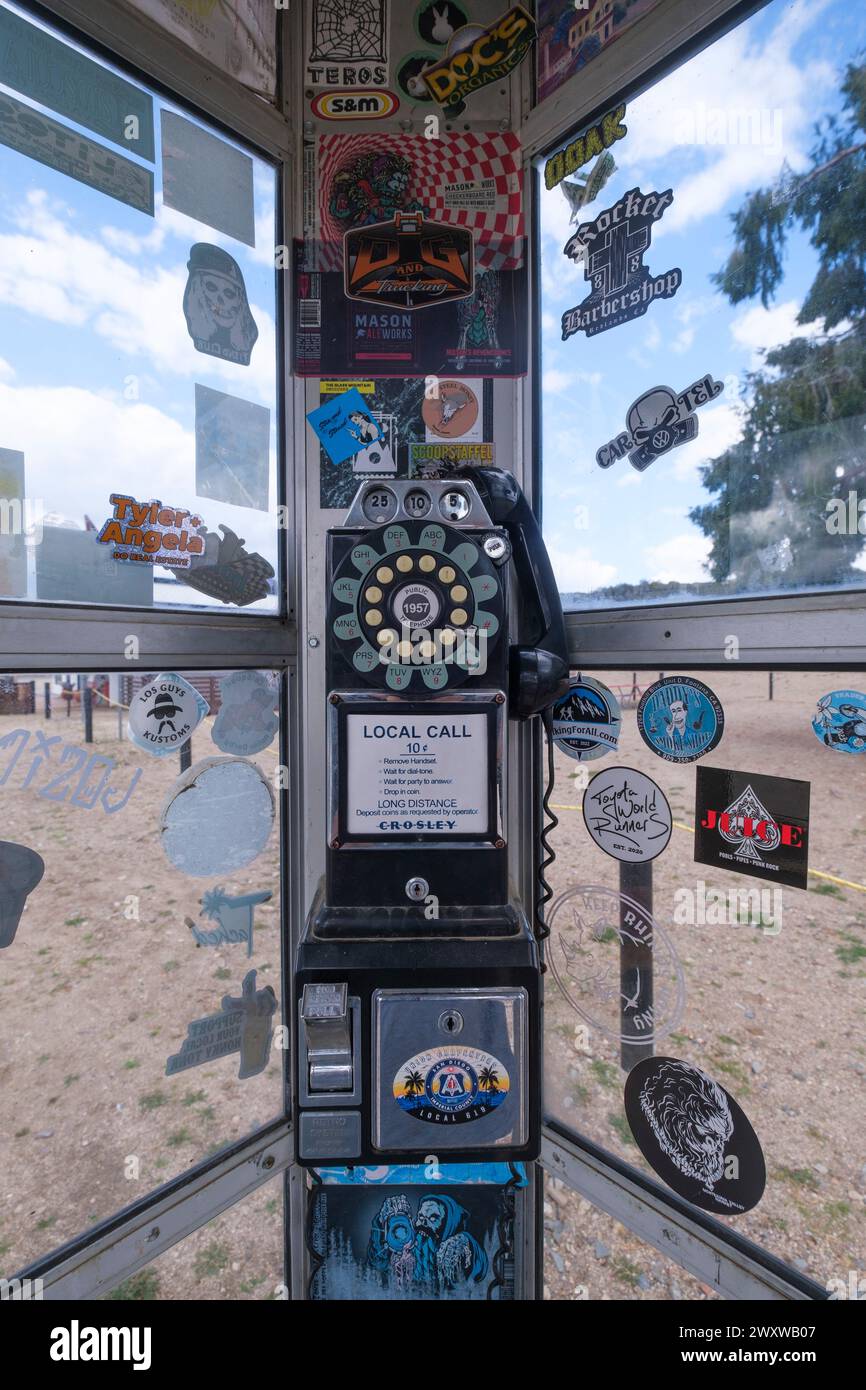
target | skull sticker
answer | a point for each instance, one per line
(216, 307)
(658, 421)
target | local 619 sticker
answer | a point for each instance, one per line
(586, 721)
(448, 1085)
(840, 721)
(680, 719)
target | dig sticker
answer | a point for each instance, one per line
(657, 422)
(163, 716)
(451, 1086)
(627, 815)
(840, 721)
(680, 719)
(586, 721)
(410, 263)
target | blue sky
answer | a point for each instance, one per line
(91, 294)
(783, 64)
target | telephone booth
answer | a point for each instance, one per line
(433, 645)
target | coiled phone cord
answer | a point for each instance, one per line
(549, 823)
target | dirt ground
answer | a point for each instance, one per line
(94, 1000)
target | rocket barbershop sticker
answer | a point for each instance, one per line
(151, 533)
(657, 422)
(753, 824)
(612, 248)
(164, 715)
(451, 1086)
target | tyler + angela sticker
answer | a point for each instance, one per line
(680, 719)
(586, 721)
(611, 249)
(627, 815)
(451, 1085)
(163, 716)
(840, 721)
(694, 1135)
(753, 824)
(658, 421)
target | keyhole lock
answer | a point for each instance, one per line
(417, 889)
(451, 1022)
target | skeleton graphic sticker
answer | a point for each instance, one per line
(657, 422)
(694, 1135)
(612, 248)
(216, 307)
(753, 824)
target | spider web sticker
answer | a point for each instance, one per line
(348, 42)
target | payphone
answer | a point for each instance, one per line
(417, 987)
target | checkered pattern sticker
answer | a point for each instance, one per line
(470, 180)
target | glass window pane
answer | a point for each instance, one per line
(121, 932)
(705, 327)
(758, 985)
(138, 317)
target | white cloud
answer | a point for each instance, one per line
(719, 428)
(555, 379)
(7, 371)
(678, 561)
(577, 571)
(760, 329)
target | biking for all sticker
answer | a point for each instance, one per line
(586, 721)
(680, 719)
(451, 1086)
(840, 721)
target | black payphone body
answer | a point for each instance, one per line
(418, 977)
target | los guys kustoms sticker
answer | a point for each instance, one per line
(657, 422)
(680, 719)
(165, 714)
(753, 824)
(451, 1085)
(586, 720)
(612, 247)
(840, 721)
(627, 815)
(694, 1135)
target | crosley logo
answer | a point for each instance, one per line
(477, 56)
(346, 105)
(77, 1343)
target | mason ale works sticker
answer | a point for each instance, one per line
(753, 824)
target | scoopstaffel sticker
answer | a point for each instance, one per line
(753, 824)
(451, 1085)
(165, 713)
(694, 1135)
(680, 719)
(586, 720)
(840, 721)
(627, 815)
(657, 422)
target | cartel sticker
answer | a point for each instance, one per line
(680, 719)
(612, 248)
(627, 815)
(448, 1085)
(164, 715)
(244, 1024)
(586, 720)
(454, 412)
(840, 721)
(753, 824)
(658, 421)
(21, 870)
(246, 722)
(694, 1135)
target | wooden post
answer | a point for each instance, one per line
(47, 694)
(87, 705)
(186, 755)
(771, 685)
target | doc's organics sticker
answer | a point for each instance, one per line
(448, 1085)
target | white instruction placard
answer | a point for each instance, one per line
(416, 775)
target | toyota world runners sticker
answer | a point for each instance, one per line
(451, 1086)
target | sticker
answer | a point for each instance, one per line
(409, 263)
(55, 145)
(206, 178)
(475, 197)
(753, 824)
(410, 75)
(420, 777)
(234, 918)
(657, 422)
(61, 764)
(56, 75)
(344, 425)
(21, 871)
(216, 307)
(580, 195)
(402, 1174)
(246, 722)
(627, 815)
(349, 43)
(244, 1024)
(570, 35)
(438, 460)
(680, 719)
(451, 1244)
(480, 54)
(232, 449)
(13, 549)
(694, 1135)
(840, 721)
(164, 714)
(151, 533)
(349, 105)
(586, 720)
(437, 20)
(597, 139)
(227, 571)
(448, 1085)
(217, 817)
(612, 248)
(70, 566)
(454, 412)
(615, 965)
(240, 40)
